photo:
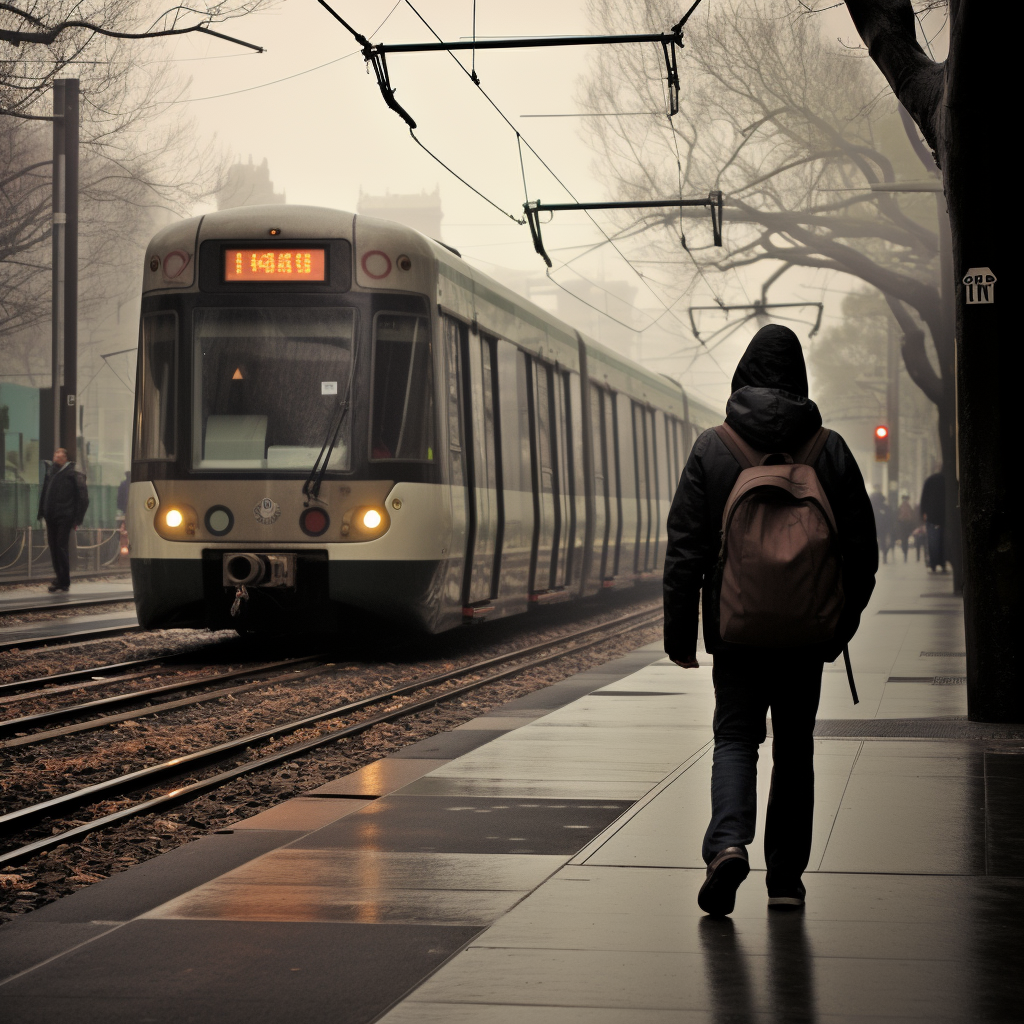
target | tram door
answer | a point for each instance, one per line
(480, 402)
(546, 507)
(454, 579)
(602, 497)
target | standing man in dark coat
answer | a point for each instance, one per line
(62, 503)
(770, 410)
(933, 512)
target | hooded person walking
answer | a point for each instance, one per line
(770, 424)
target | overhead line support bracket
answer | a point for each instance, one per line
(756, 309)
(376, 54)
(533, 210)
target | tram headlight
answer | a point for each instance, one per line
(176, 522)
(365, 523)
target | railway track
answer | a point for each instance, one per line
(29, 643)
(42, 604)
(494, 669)
(91, 677)
(16, 725)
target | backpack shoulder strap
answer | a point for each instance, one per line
(809, 453)
(746, 456)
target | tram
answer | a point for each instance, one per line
(338, 420)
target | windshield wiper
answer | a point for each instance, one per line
(311, 488)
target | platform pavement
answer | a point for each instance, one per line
(13, 599)
(540, 865)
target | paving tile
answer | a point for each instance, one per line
(237, 900)
(469, 825)
(669, 830)
(909, 824)
(300, 814)
(368, 869)
(448, 745)
(441, 785)
(912, 990)
(365, 887)
(479, 1013)
(170, 972)
(1004, 814)
(133, 892)
(636, 909)
(379, 778)
(25, 942)
(494, 722)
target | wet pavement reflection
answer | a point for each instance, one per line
(782, 988)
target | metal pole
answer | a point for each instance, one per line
(57, 263)
(69, 398)
(892, 412)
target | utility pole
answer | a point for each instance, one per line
(64, 266)
(892, 415)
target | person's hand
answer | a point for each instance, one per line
(687, 664)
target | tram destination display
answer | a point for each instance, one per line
(277, 265)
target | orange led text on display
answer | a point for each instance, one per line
(285, 265)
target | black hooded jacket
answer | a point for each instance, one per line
(770, 409)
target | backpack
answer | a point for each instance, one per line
(780, 568)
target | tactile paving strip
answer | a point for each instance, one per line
(915, 728)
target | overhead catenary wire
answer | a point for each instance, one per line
(475, 79)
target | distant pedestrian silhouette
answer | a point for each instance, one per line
(933, 512)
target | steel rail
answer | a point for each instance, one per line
(84, 636)
(130, 780)
(75, 602)
(10, 725)
(39, 682)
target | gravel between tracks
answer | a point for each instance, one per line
(31, 774)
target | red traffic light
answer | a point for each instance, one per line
(881, 443)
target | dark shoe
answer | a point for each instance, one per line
(717, 895)
(786, 897)
(53, 588)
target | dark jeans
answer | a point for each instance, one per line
(744, 691)
(58, 536)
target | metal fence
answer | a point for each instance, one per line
(96, 546)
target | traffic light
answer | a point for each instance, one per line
(881, 443)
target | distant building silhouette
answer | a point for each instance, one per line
(421, 211)
(248, 185)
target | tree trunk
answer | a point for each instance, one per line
(956, 107)
(989, 429)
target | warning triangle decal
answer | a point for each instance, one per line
(237, 375)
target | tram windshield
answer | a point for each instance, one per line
(268, 383)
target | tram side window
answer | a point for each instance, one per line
(155, 435)
(403, 389)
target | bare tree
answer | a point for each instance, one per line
(956, 106)
(800, 137)
(139, 155)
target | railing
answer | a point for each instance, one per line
(95, 550)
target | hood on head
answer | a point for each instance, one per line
(771, 420)
(773, 359)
